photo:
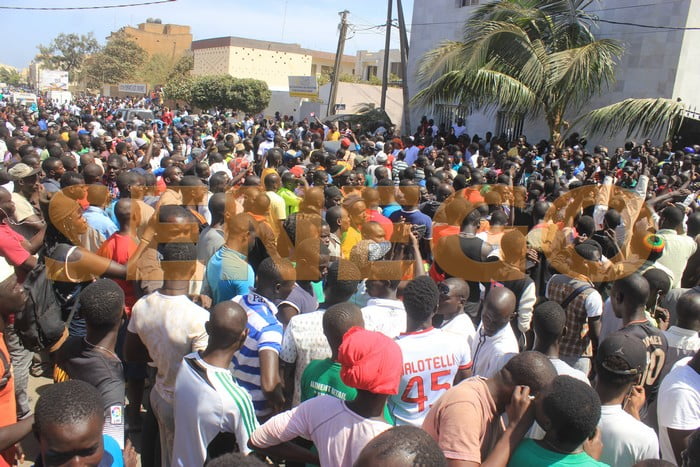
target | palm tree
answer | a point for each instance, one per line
(538, 58)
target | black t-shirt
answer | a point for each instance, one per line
(657, 347)
(84, 362)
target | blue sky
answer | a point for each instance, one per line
(311, 23)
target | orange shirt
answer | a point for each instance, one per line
(8, 408)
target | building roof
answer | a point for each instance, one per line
(265, 45)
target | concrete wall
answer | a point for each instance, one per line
(366, 59)
(355, 94)
(273, 67)
(171, 40)
(657, 62)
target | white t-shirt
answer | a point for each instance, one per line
(385, 316)
(338, 433)
(208, 401)
(462, 326)
(304, 341)
(626, 440)
(170, 327)
(678, 404)
(431, 360)
(564, 368)
(490, 354)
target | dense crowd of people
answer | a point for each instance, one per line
(232, 290)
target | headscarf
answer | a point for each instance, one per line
(370, 361)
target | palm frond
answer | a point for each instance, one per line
(635, 116)
(438, 61)
(578, 74)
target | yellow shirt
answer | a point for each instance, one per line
(333, 136)
(351, 238)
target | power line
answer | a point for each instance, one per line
(649, 26)
(95, 7)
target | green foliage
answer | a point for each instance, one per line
(67, 52)
(249, 95)
(10, 76)
(323, 79)
(179, 88)
(375, 80)
(184, 65)
(156, 70)
(117, 62)
(225, 91)
(211, 91)
(348, 78)
(536, 57)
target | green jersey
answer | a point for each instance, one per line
(529, 453)
(323, 377)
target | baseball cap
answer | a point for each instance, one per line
(269, 135)
(622, 354)
(22, 170)
(345, 143)
(382, 158)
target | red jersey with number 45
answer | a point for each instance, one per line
(431, 360)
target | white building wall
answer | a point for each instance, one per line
(657, 62)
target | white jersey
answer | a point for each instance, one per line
(208, 401)
(431, 360)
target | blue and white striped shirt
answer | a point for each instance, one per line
(264, 333)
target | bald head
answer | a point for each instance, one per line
(313, 200)
(92, 173)
(217, 207)
(261, 205)
(629, 296)
(272, 182)
(122, 211)
(226, 326)
(498, 307)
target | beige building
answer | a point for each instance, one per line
(371, 64)
(272, 62)
(171, 40)
(322, 63)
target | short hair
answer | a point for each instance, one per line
(50, 164)
(531, 369)
(658, 280)
(588, 250)
(573, 408)
(173, 211)
(339, 318)
(408, 443)
(343, 278)
(499, 217)
(279, 270)
(67, 403)
(102, 304)
(97, 195)
(692, 451)
(71, 179)
(585, 226)
(420, 298)
(672, 216)
(548, 320)
(688, 307)
(612, 218)
(183, 251)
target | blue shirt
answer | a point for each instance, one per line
(415, 218)
(99, 220)
(229, 274)
(264, 332)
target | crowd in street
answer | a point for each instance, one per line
(225, 289)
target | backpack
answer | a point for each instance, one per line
(40, 324)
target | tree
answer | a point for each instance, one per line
(537, 58)
(117, 62)
(227, 92)
(211, 91)
(156, 70)
(10, 76)
(67, 52)
(249, 95)
(179, 88)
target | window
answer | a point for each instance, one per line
(509, 124)
(371, 71)
(313, 70)
(461, 3)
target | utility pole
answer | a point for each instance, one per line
(338, 57)
(387, 46)
(403, 37)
